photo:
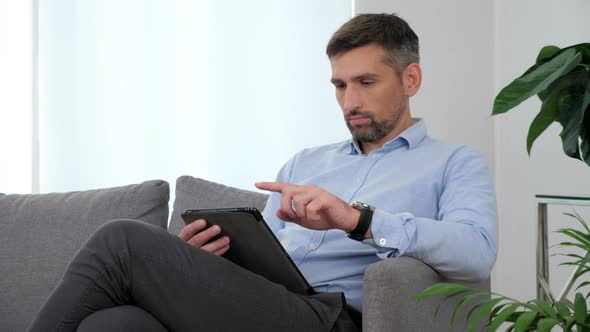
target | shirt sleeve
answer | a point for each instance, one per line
(462, 242)
(274, 199)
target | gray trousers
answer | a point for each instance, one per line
(131, 276)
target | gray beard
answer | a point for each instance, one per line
(375, 131)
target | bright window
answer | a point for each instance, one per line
(227, 91)
(16, 96)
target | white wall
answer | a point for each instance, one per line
(456, 49)
(16, 96)
(522, 28)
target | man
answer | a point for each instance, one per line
(392, 189)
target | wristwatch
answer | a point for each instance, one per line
(358, 233)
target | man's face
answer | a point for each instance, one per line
(370, 93)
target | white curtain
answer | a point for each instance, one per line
(225, 90)
(16, 96)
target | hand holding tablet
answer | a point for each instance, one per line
(253, 245)
(200, 235)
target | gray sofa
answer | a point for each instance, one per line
(39, 234)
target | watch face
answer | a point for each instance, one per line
(359, 205)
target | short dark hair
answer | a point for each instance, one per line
(387, 30)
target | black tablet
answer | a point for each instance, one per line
(253, 245)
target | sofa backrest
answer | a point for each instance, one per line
(39, 234)
(195, 193)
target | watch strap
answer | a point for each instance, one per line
(358, 233)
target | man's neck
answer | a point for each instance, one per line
(368, 147)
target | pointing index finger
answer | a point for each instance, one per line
(272, 186)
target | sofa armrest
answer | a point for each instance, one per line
(387, 298)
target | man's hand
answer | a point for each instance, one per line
(194, 234)
(312, 207)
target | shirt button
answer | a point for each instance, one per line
(382, 242)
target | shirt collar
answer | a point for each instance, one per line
(411, 137)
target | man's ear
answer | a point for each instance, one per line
(412, 79)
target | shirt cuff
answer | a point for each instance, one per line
(391, 233)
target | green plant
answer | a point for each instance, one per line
(561, 79)
(534, 315)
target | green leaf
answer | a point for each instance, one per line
(546, 116)
(569, 323)
(441, 289)
(524, 321)
(515, 316)
(581, 261)
(578, 257)
(563, 310)
(502, 316)
(572, 107)
(585, 136)
(585, 269)
(583, 48)
(549, 112)
(576, 235)
(546, 308)
(580, 273)
(580, 234)
(461, 305)
(545, 55)
(499, 308)
(547, 52)
(539, 79)
(545, 324)
(485, 308)
(532, 307)
(576, 216)
(580, 309)
(449, 295)
(572, 244)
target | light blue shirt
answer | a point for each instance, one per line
(433, 201)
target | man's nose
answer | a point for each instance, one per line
(352, 100)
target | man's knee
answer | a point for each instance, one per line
(120, 234)
(123, 318)
(120, 226)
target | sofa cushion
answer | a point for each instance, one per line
(39, 234)
(195, 193)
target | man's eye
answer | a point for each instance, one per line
(340, 86)
(366, 83)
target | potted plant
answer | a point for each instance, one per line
(561, 80)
